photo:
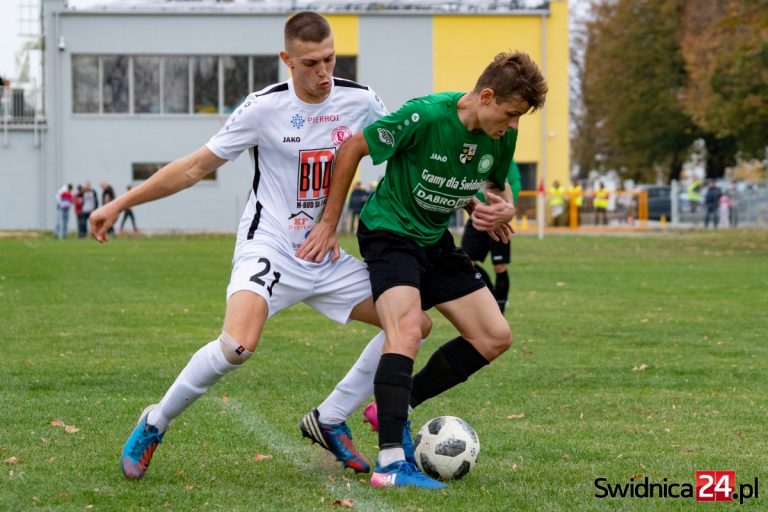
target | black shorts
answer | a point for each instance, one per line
(477, 245)
(441, 272)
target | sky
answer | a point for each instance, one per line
(8, 41)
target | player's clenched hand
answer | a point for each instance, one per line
(502, 233)
(489, 217)
(321, 240)
(101, 220)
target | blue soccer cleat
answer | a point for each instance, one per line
(337, 439)
(403, 474)
(138, 449)
(408, 447)
(371, 416)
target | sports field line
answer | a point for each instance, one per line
(293, 452)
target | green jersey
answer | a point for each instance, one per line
(434, 166)
(514, 180)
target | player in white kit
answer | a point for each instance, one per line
(292, 131)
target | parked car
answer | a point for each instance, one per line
(659, 200)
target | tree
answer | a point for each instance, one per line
(633, 77)
(725, 47)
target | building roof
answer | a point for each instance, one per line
(326, 6)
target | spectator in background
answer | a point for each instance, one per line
(694, 191)
(725, 206)
(712, 203)
(128, 212)
(90, 203)
(63, 204)
(357, 199)
(557, 204)
(575, 200)
(601, 204)
(82, 226)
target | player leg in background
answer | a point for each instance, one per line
(245, 317)
(476, 245)
(500, 257)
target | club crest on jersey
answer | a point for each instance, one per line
(297, 121)
(485, 164)
(467, 153)
(340, 134)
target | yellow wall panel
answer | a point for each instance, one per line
(345, 33)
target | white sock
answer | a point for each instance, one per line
(389, 455)
(206, 367)
(356, 386)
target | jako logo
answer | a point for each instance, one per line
(439, 158)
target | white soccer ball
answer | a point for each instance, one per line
(446, 448)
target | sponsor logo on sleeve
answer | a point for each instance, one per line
(386, 137)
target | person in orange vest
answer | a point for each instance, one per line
(601, 204)
(575, 201)
(557, 204)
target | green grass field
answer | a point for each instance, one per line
(634, 357)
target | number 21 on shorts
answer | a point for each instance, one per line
(715, 485)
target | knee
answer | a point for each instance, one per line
(500, 267)
(499, 339)
(233, 351)
(426, 326)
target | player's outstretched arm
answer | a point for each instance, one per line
(322, 239)
(176, 176)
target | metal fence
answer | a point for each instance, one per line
(635, 210)
(21, 108)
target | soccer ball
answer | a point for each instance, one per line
(446, 447)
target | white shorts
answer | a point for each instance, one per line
(265, 267)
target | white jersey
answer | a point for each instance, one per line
(292, 145)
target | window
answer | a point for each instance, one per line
(115, 83)
(264, 72)
(346, 67)
(176, 85)
(146, 82)
(85, 83)
(170, 84)
(206, 85)
(235, 81)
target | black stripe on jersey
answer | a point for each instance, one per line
(343, 82)
(256, 179)
(255, 221)
(277, 88)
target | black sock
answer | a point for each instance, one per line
(501, 290)
(392, 389)
(484, 275)
(451, 364)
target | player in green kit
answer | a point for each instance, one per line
(477, 245)
(440, 151)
